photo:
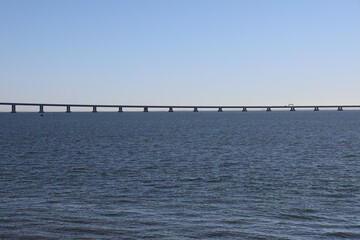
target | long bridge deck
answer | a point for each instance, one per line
(171, 108)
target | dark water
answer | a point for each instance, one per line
(231, 175)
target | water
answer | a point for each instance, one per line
(182, 175)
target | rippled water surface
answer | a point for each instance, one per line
(182, 175)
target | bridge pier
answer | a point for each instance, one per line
(13, 108)
(41, 108)
(220, 109)
(268, 109)
(146, 109)
(68, 109)
(340, 109)
(292, 109)
(316, 109)
(195, 109)
(94, 109)
(120, 109)
(244, 109)
(171, 109)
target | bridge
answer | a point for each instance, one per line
(171, 108)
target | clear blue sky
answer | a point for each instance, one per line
(218, 52)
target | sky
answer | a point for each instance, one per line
(180, 52)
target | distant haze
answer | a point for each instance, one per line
(184, 52)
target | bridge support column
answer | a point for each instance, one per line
(292, 109)
(220, 109)
(13, 108)
(146, 109)
(120, 109)
(171, 109)
(244, 109)
(68, 109)
(41, 109)
(94, 109)
(268, 109)
(195, 109)
(340, 109)
(316, 109)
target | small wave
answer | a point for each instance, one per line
(237, 221)
(219, 179)
(217, 234)
(126, 201)
(155, 236)
(294, 216)
(52, 201)
(232, 234)
(9, 227)
(338, 195)
(78, 169)
(27, 236)
(229, 164)
(81, 221)
(151, 223)
(115, 214)
(346, 235)
(221, 234)
(357, 226)
(187, 214)
(6, 236)
(308, 210)
(90, 230)
(31, 153)
(193, 179)
(5, 220)
(150, 167)
(214, 180)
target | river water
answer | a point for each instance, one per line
(181, 175)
